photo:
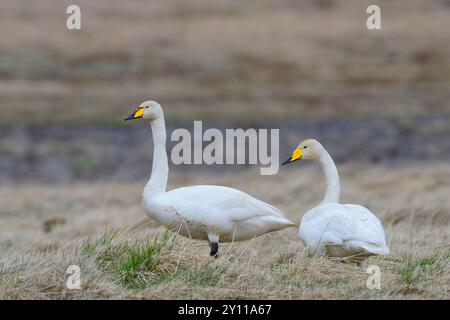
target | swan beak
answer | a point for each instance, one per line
(297, 155)
(136, 114)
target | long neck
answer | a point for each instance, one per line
(333, 191)
(160, 169)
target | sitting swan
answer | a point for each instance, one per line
(339, 230)
(203, 212)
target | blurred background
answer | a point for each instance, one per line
(71, 169)
(308, 67)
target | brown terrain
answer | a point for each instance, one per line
(72, 173)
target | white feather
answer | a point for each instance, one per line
(351, 226)
(230, 214)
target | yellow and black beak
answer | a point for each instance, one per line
(138, 113)
(297, 155)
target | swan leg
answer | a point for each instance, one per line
(214, 243)
(214, 249)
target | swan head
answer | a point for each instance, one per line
(309, 149)
(150, 110)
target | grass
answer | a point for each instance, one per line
(275, 61)
(138, 263)
(143, 261)
(134, 267)
(414, 272)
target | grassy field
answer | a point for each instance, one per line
(71, 172)
(101, 227)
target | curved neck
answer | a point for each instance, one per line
(160, 169)
(333, 191)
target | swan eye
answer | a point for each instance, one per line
(146, 107)
(305, 147)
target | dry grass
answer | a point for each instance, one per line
(231, 62)
(47, 228)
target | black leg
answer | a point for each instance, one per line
(214, 249)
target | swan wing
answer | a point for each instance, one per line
(211, 203)
(364, 229)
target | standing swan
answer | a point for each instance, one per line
(203, 212)
(339, 230)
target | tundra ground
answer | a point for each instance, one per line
(122, 254)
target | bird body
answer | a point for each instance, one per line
(207, 211)
(342, 230)
(203, 212)
(332, 228)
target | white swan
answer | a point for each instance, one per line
(339, 230)
(203, 212)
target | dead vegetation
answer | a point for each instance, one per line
(231, 63)
(123, 256)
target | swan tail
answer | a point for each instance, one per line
(271, 211)
(375, 248)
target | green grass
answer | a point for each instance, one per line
(134, 262)
(139, 263)
(414, 272)
(88, 249)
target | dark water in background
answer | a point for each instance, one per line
(65, 153)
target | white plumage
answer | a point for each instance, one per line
(204, 212)
(339, 230)
(342, 230)
(209, 212)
